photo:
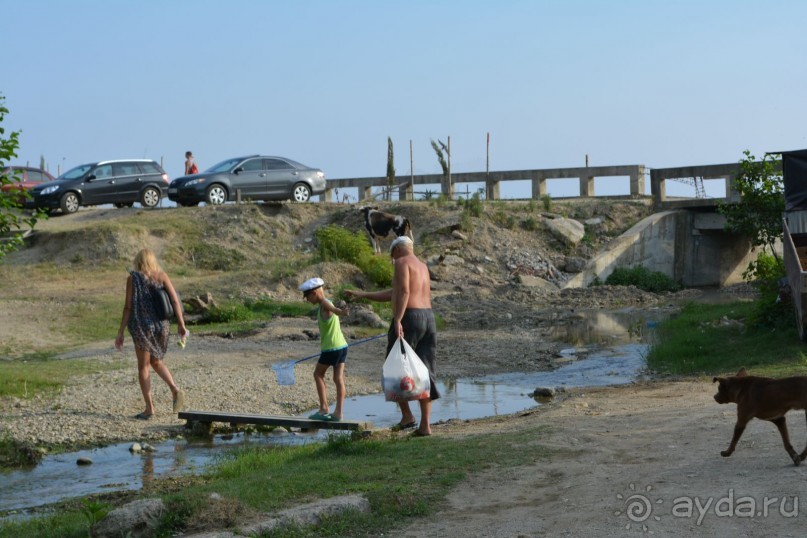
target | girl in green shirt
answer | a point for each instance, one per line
(333, 347)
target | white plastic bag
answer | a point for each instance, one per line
(404, 376)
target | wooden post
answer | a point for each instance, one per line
(411, 171)
(487, 160)
(450, 185)
(491, 187)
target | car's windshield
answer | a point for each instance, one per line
(223, 166)
(77, 172)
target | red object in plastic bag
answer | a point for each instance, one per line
(405, 377)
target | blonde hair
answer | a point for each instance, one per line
(146, 262)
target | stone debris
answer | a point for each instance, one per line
(137, 519)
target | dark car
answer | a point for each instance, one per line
(23, 178)
(257, 177)
(121, 183)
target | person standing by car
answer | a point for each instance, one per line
(149, 333)
(190, 164)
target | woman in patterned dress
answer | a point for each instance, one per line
(149, 333)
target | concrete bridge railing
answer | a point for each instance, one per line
(539, 177)
(493, 180)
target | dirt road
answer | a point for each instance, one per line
(632, 461)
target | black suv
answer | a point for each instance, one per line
(121, 183)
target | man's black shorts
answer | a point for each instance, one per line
(420, 332)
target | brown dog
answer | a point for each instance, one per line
(764, 398)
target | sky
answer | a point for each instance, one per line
(662, 83)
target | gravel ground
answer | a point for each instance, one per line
(511, 333)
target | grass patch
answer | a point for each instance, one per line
(92, 320)
(63, 525)
(265, 479)
(642, 278)
(15, 454)
(255, 310)
(25, 378)
(403, 478)
(720, 339)
(215, 257)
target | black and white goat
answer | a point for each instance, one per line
(380, 225)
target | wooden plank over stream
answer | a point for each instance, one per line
(273, 420)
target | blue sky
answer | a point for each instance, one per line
(660, 83)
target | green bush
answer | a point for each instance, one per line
(530, 224)
(503, 219)
(765, 272)
(378, 269)
(642, 278)
(473, 206)
(228, 314)
(338, 244)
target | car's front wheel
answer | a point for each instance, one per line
(301, 193)
(150, 197)
(216, 195)
(69, 202)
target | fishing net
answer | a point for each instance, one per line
(284, 372)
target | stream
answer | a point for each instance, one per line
(620, 343)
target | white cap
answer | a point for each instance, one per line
(311, 284)
(402, 240)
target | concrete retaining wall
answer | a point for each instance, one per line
(689, 247)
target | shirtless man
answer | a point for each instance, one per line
(412, 319)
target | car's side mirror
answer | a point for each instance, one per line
(90, 177)
(238, 170)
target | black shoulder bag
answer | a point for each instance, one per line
(162, 303)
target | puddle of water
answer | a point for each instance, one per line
(114, 468)
(609, 328)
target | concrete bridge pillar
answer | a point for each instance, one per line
(406, 192)
(491, 189)
(637, 182)
(586, 186)
(366, 192)
(447, 187)
(538, 187)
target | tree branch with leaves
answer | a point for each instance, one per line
(758, 214)
(442, 151)
(13, 223)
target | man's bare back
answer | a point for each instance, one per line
(412, 276)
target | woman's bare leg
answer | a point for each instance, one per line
(165, 374)
(144, 377)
